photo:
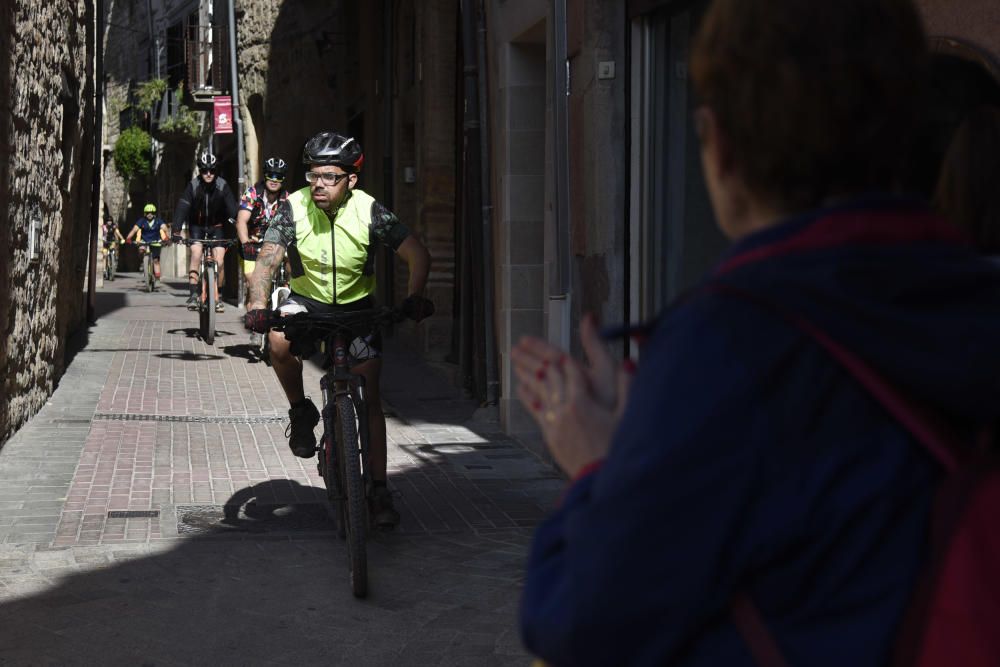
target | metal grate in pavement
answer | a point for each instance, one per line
(221, 520)
(133, 514)
(215, 419)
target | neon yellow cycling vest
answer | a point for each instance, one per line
(349, 276)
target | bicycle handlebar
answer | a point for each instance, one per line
(215, 243)
(343, 322)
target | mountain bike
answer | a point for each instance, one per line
(208, 276)
(110, 261)
(343, 450)
(148, 274)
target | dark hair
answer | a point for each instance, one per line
(970, 176)
(816, 99)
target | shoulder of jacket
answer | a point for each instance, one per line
(300, 201)
(361, 198)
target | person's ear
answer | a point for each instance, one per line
(716, 151)
(352, 180)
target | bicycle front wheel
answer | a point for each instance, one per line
(147, 264)
(354, 505)
(208, 307)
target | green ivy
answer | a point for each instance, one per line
(148, 93)
(132, 153)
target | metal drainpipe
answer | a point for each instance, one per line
(560, 283)
(388, 56)
(486, 197)
(238, 127)
(472, 168)
(95, 194)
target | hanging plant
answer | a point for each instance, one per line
(131, 153)
(183, 123)
(149, 93)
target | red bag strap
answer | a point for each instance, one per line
(758, 638)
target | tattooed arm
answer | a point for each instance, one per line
(259, 282)
(280, 235)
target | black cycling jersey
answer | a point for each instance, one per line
(204, 205)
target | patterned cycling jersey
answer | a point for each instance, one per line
(261, 210)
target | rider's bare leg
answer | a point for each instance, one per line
(193, 276)
(219, 254)
(286, 366)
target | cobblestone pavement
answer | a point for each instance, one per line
(151, 513)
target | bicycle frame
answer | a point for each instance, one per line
(342, 381)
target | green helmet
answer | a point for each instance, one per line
(149, 208)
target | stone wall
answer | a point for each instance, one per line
(46, 62)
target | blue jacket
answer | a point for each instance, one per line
(749, 460)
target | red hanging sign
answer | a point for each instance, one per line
(223, 114)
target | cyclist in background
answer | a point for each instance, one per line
(332, 218)
(152, 229)
(110, 233)
(206, 204)
(111, 237)
(257, 206)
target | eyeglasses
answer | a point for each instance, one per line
(274, 177)
(328, 178)
(206, 171)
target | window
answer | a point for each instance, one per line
(674, 239)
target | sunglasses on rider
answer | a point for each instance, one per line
(277, 178)
(206, 171)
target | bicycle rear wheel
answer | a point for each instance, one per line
(354, 505)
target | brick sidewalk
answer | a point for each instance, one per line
(151, 420)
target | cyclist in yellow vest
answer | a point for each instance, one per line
(330, 230)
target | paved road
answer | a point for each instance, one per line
(236, 562)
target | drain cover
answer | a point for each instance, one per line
(133, 514)
(253, 518)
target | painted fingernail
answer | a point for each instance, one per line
(536, 405)
(540, 374)
(629, 366)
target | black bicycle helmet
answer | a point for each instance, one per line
(206, 160)
(334, 148)
(275, 165)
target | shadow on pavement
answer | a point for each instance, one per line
(259, 583)
(188, 356)
(243, 351)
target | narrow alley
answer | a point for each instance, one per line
(152, 513)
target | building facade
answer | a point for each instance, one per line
(47, 148)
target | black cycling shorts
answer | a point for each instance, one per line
(199, 232)
(364, 346)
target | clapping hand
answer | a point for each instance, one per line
(577, 405)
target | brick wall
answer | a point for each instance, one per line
(47, 119)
